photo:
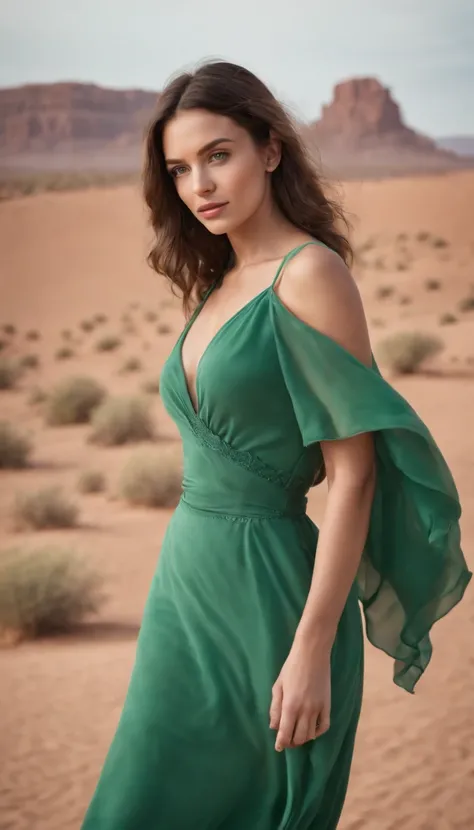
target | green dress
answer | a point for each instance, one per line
(193, 749)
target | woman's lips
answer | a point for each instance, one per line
(214, 211)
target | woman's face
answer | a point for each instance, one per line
(214, 160)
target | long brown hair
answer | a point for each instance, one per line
(184, 250)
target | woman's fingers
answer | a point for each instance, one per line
(304, 730)
(275, 708)
(287, 727)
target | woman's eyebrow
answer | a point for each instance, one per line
(204, 149)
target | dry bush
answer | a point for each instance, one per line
(64, 353)
(37, 396)
(15, 448)
(432, 285)
(447, 319)
(100, 319)
(73, 400)
(9, 329)
(122, 420)
(66, 334)
(45, 591)
(163, 328)
(405, 351)
(132, 364)
(87, 325)
(151, 387)
(108, 343)
(3, 344)
(152, 480)
(33, 334)
(29, 361)
(439, 242)
(467, 303)
(45, 508)
(150, 316)
(384, 291)
(10, 372)
(91, 481)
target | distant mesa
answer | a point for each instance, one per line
(86, 126)
(463, 145)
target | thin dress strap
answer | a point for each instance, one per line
(293, 253)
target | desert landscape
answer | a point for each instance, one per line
(81, 309)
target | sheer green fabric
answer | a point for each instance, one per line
(413, 570)
(193, 748)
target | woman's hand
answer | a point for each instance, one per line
(301, 697)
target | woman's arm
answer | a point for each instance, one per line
(317, 287)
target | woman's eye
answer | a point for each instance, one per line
(222, 153)
(174, 171)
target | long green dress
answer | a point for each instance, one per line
(193, 749)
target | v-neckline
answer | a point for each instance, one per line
(196, 407)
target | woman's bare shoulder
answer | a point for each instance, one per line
(318, 287)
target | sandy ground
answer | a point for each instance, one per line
(67, 257)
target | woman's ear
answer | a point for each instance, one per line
(272, 153)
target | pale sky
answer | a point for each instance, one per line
(422, 49)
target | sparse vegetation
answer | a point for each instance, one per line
(29, 361)
(467, 303)
(152, 480)
(384, 291)
(87, 325)
(44, 508)
(405, 351)
(432, 285)
(10, 371)
(9, 329)
(132, 364)
(15, 448)
(45, 591)
(100, 319)
(122, 420)
(163, 328)
(108, 343)
(439, 242)
(64, 353)
(401, 266)
(422, 236)
(405, 300)
(73, 400)
(3, 345)
(66, 334)
(151, 387)
(37, 396)
(150, 316)
(91, 481)
(33, 334)
(447, 319)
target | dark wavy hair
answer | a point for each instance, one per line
(184, 250)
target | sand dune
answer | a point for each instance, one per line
(69, 256)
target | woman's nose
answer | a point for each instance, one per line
(202, 183)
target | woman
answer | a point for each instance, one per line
(246, 691)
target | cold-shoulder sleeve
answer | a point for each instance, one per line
(412, 570)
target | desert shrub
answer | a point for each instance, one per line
(432, 285)
(150, 316)
(36, 396)
(73, 400)
(29, 361)
(152, 480)
(108, 343)
(33, 334)
(66, 334)
(132, 364)
(100, 319)
(384, 291)
(9, 329)
(15, 448)
(423, 236)
(46, 590)
(401, 266)
(122, 420)
(10, 372)
(3, 345)
(91, 481)
(163, 328)
(87, 325)
(405, 351)
(405, 300)
(151, 387)
(64, 353)
(44, 508)
(467, 303)
(447, 319)
(439, 242)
